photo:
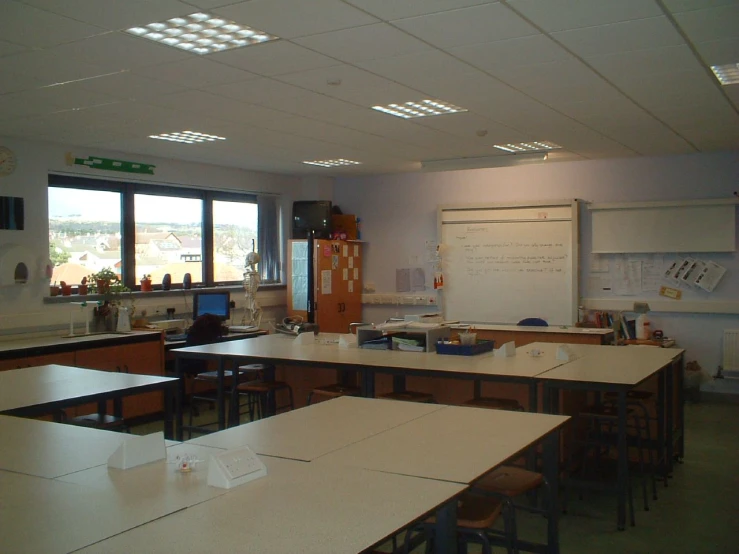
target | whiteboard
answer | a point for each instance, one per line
(699, 226)
(503, 263)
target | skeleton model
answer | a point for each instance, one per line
(252, 309)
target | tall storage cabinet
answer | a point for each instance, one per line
(337, 270)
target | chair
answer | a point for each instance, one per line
(533, 322)
(477, 512)
(261, 393)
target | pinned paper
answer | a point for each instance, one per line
(356, 250)
(506, 350)
(350, 286)
(356, 273)
(345, 250)
(345, 274)
(565, 353)
(351, 262)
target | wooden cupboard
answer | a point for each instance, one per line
(337, 271)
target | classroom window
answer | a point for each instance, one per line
(139, 229)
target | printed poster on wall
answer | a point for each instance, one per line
(326, 281)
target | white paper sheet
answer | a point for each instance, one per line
(652, 271)
(710, 276)
(627, 277)
(599, 264)
(326, 281)
(600, 282)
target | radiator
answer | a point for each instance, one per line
(731, 353)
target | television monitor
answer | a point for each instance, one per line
(217, 303)
(312, 215)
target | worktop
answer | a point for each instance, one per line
(19, 346)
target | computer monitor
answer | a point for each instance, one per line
(217, 303)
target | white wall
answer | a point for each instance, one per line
(21, 306)
(399, 214)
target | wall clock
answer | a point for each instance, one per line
(8, 161)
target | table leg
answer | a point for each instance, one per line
(118, 407)
(368, 382)
(623, 461)
(446, 529)
(551, 473)
(680, 405)
(533, 407)
(221, 397)
(169, 392)
(180, 398)
(667, 395)
(102, 407)
(662, 433)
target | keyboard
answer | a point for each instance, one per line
(242, 328)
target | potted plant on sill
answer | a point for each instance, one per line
(146, 283)
(101, 281)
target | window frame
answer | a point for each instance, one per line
(128, 190)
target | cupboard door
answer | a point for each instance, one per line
(144, 359)
(107, 358)
(61, 358)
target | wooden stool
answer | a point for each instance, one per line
(99, 421)
(265, 393)
(410, 396)
(334, 391)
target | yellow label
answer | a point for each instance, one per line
(669, 292)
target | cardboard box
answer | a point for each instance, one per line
(346, 224)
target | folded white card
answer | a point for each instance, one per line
(565, 353)
(506, 350)
(138, 451)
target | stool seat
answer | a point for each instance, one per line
(213, 375)
(510, 481)
(603, 411)
(334, 391)
(263, 386)
(409, 396)
(495, 403)
(255, 367)
(98, 421)
(475, 512)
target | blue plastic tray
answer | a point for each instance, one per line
(479, 347)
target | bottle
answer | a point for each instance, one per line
(642, 327)
(359, 228)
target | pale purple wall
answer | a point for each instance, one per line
(399, 214)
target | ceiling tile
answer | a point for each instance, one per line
(650, 139)
(196, 72)
(518, 51)
(7, 48)
(117, 50)
(719, 52)
(273, 58)
(474, 127)
(560, 15)
(467, 26)
(115, 14)
(683, 88)
(710, 24)
(210, 4)
(638, 64)
(49, 67)
(397, 9)
(296, 18)
(641, 34)
(214, 106)
(15, 82)
(677, 6)
(29, 26)
(130, 86)
(364, 43)
(262, 90)
(352, 84)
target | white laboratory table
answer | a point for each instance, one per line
(50, 450)
(283, 349)
(316, 430)
(33, 391)
(619, 369)
(297, 507)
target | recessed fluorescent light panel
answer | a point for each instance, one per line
(188, 137)
(727, 74)
(424, 108)
(201, 33)
(333, 163)
(533, 146)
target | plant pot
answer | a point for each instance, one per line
(54, 290)
(66, 290)
(102, 286)
(146, 285)
(82, 289)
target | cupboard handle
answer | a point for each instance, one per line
(125, 368)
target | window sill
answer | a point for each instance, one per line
(138, 295)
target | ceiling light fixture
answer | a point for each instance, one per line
(424, 108)
(531, 146)
(727, 74)
(332, 163)
(201, 33)
(188, 137)
(483, 162)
